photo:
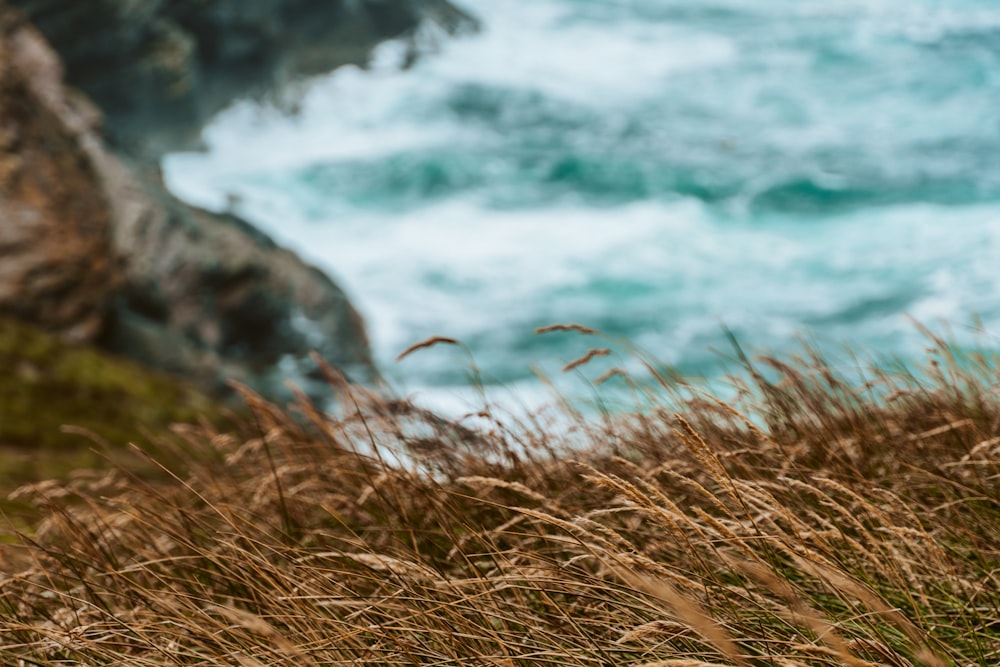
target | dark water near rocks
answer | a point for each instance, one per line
(652, 168)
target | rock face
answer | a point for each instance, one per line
(159, 68)
(58, 267)
(208, 296)
(92, 244)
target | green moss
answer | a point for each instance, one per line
(49, 385)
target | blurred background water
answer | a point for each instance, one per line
(655, 169)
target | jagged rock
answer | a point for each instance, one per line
(58, 266)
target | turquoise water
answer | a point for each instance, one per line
(654, 169)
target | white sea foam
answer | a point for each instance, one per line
(364, 114)
(665, 270)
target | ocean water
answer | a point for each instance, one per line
(655, 169)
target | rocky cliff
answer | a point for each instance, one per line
(159, 69)
(95, 248)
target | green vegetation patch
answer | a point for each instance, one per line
(54, 394)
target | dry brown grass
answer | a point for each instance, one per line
(813, 523)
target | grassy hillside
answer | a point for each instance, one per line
(59, 402)
(814, 523)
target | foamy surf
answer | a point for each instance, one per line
(652, 169)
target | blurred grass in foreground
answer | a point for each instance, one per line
(815, 522)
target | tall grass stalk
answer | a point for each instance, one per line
(815, 521)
